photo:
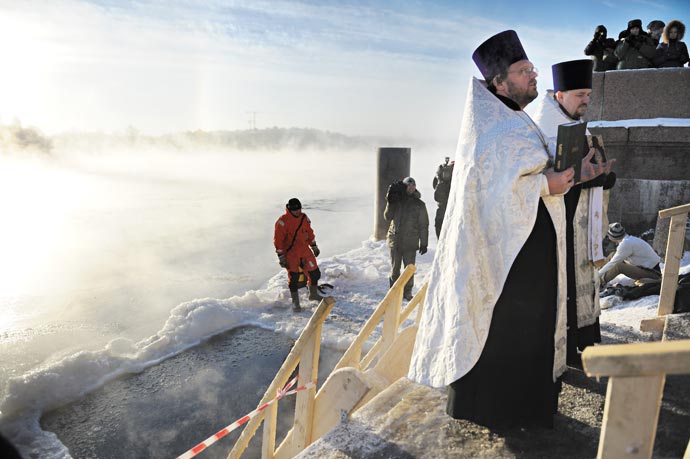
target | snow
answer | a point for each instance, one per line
(651, 122)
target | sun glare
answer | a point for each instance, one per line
(35, 202)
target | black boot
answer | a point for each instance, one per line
(295, 301)
(407, 293)
(314, 293)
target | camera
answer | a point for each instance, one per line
(396, 191)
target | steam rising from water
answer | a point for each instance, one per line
(98, 247)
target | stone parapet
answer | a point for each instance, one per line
(640, 94)
(650, 153)
(652, 162)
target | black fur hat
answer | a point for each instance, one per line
(498, 53)
(572, 75)
(655, 24)
(635, 23)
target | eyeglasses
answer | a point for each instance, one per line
(526, 71)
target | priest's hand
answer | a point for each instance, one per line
(591, 170)
(559, 182)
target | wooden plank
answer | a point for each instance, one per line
(638, 359)
(630, 417)
(344, 390)
(674, 252)
(371, 355)
(268, 443)
(352, 356)
(304, 405)
(339, 393)
(655, 325)
(391, 320)
(392, 366)
(417, 301)
(670, 212)
(395, 363)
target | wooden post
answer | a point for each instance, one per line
(304, 406)
(630, 417)
(674, 252)
(637, 374)
(352, 356)
(392, 164)
(391, 319)
(268, 443)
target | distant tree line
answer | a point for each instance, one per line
(270, 139)
(17, 139)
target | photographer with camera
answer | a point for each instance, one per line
(601, 49)
(408, 230)
(636, 49)
(441, 184)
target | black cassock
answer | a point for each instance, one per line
(512, 383)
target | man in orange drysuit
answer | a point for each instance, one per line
(297, 250)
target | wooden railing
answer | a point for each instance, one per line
(637, 373)
(353, 381)
(669, 277)
(674, 253)
(304, 353)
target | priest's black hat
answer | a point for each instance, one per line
(572, 75)
(498, 53)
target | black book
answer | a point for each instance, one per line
(597, 142)
(571, 147)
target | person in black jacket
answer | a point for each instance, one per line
(441, 184)
(601, 49)
(654, 29)
(636, 50)
(672, 52)
(408, 230)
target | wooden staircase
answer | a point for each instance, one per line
(354, 380)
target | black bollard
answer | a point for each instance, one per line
(392, 164)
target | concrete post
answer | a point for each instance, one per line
(392, 164)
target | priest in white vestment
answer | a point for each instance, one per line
(493, 326)
(584, 203)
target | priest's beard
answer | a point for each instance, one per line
(522, 96)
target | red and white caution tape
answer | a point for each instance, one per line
(280, 393)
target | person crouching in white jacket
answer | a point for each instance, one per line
(634, 257)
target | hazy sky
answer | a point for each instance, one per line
(356, 67)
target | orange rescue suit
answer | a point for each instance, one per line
(299, 255)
